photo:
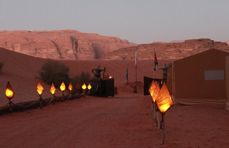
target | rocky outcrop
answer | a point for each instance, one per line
(168, 51)
(62, 44)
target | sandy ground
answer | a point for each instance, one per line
(124, 121)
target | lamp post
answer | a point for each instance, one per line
(164, 102)
(154, 92)
(9, 94)
(62, 89)
(84, 87)
(70, 89)
(40, 90)
(52, 91)
(89, 87)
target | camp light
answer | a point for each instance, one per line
(70, 87)
(154, 90)
(9, 91)
(84, 86)
(52, 89)
(164, 100)
(40, 88)
(89, 87)
(62, 87)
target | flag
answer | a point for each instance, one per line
(155, 60)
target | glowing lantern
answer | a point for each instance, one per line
(40, 88)
(110, 77)
(70, 87)
(62, 87)
(9, 91)
(164, 100)
(52, 89)
(154, 90)
(89, 86)
(84, 86)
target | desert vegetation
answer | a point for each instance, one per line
(57, 72)
(54, 72)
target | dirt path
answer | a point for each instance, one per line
(83, 123)
(119, 122)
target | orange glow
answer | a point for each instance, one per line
(70, 87)
(40, 88)
(89, 86)
(52, 89)
(9, 91)
(84, 86)
(110, 77)
(62, 87)
(154, 90)
(164, 100)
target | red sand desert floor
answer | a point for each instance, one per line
(119, 122)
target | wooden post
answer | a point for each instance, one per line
(162, 126)
(227, 81)
(40, 101)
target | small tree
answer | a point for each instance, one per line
(54, 72)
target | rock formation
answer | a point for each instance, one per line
(62, 44)
(168, 51)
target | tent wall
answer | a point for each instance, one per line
(227, 81)
(192, 79)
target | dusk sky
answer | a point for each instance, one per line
(139, 21)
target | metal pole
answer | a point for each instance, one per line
(136, 78)
(40, 101)
(163, 128)
(54, 99)
(10, 105)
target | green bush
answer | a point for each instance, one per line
(54, 72)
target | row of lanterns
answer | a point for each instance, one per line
(9, 92)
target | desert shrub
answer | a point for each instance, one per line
(54, 72)
(1, 66)
(77, 81)
(83, 77)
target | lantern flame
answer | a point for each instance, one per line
(62, 87)
(70, 87)
(9, 91)
(89, 86)
(164, 100)
(154, 91)
(52, 89)
(84, 86)
(40, 88)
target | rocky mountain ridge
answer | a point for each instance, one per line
(61, 44)
(168, 51)
(75, 45)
